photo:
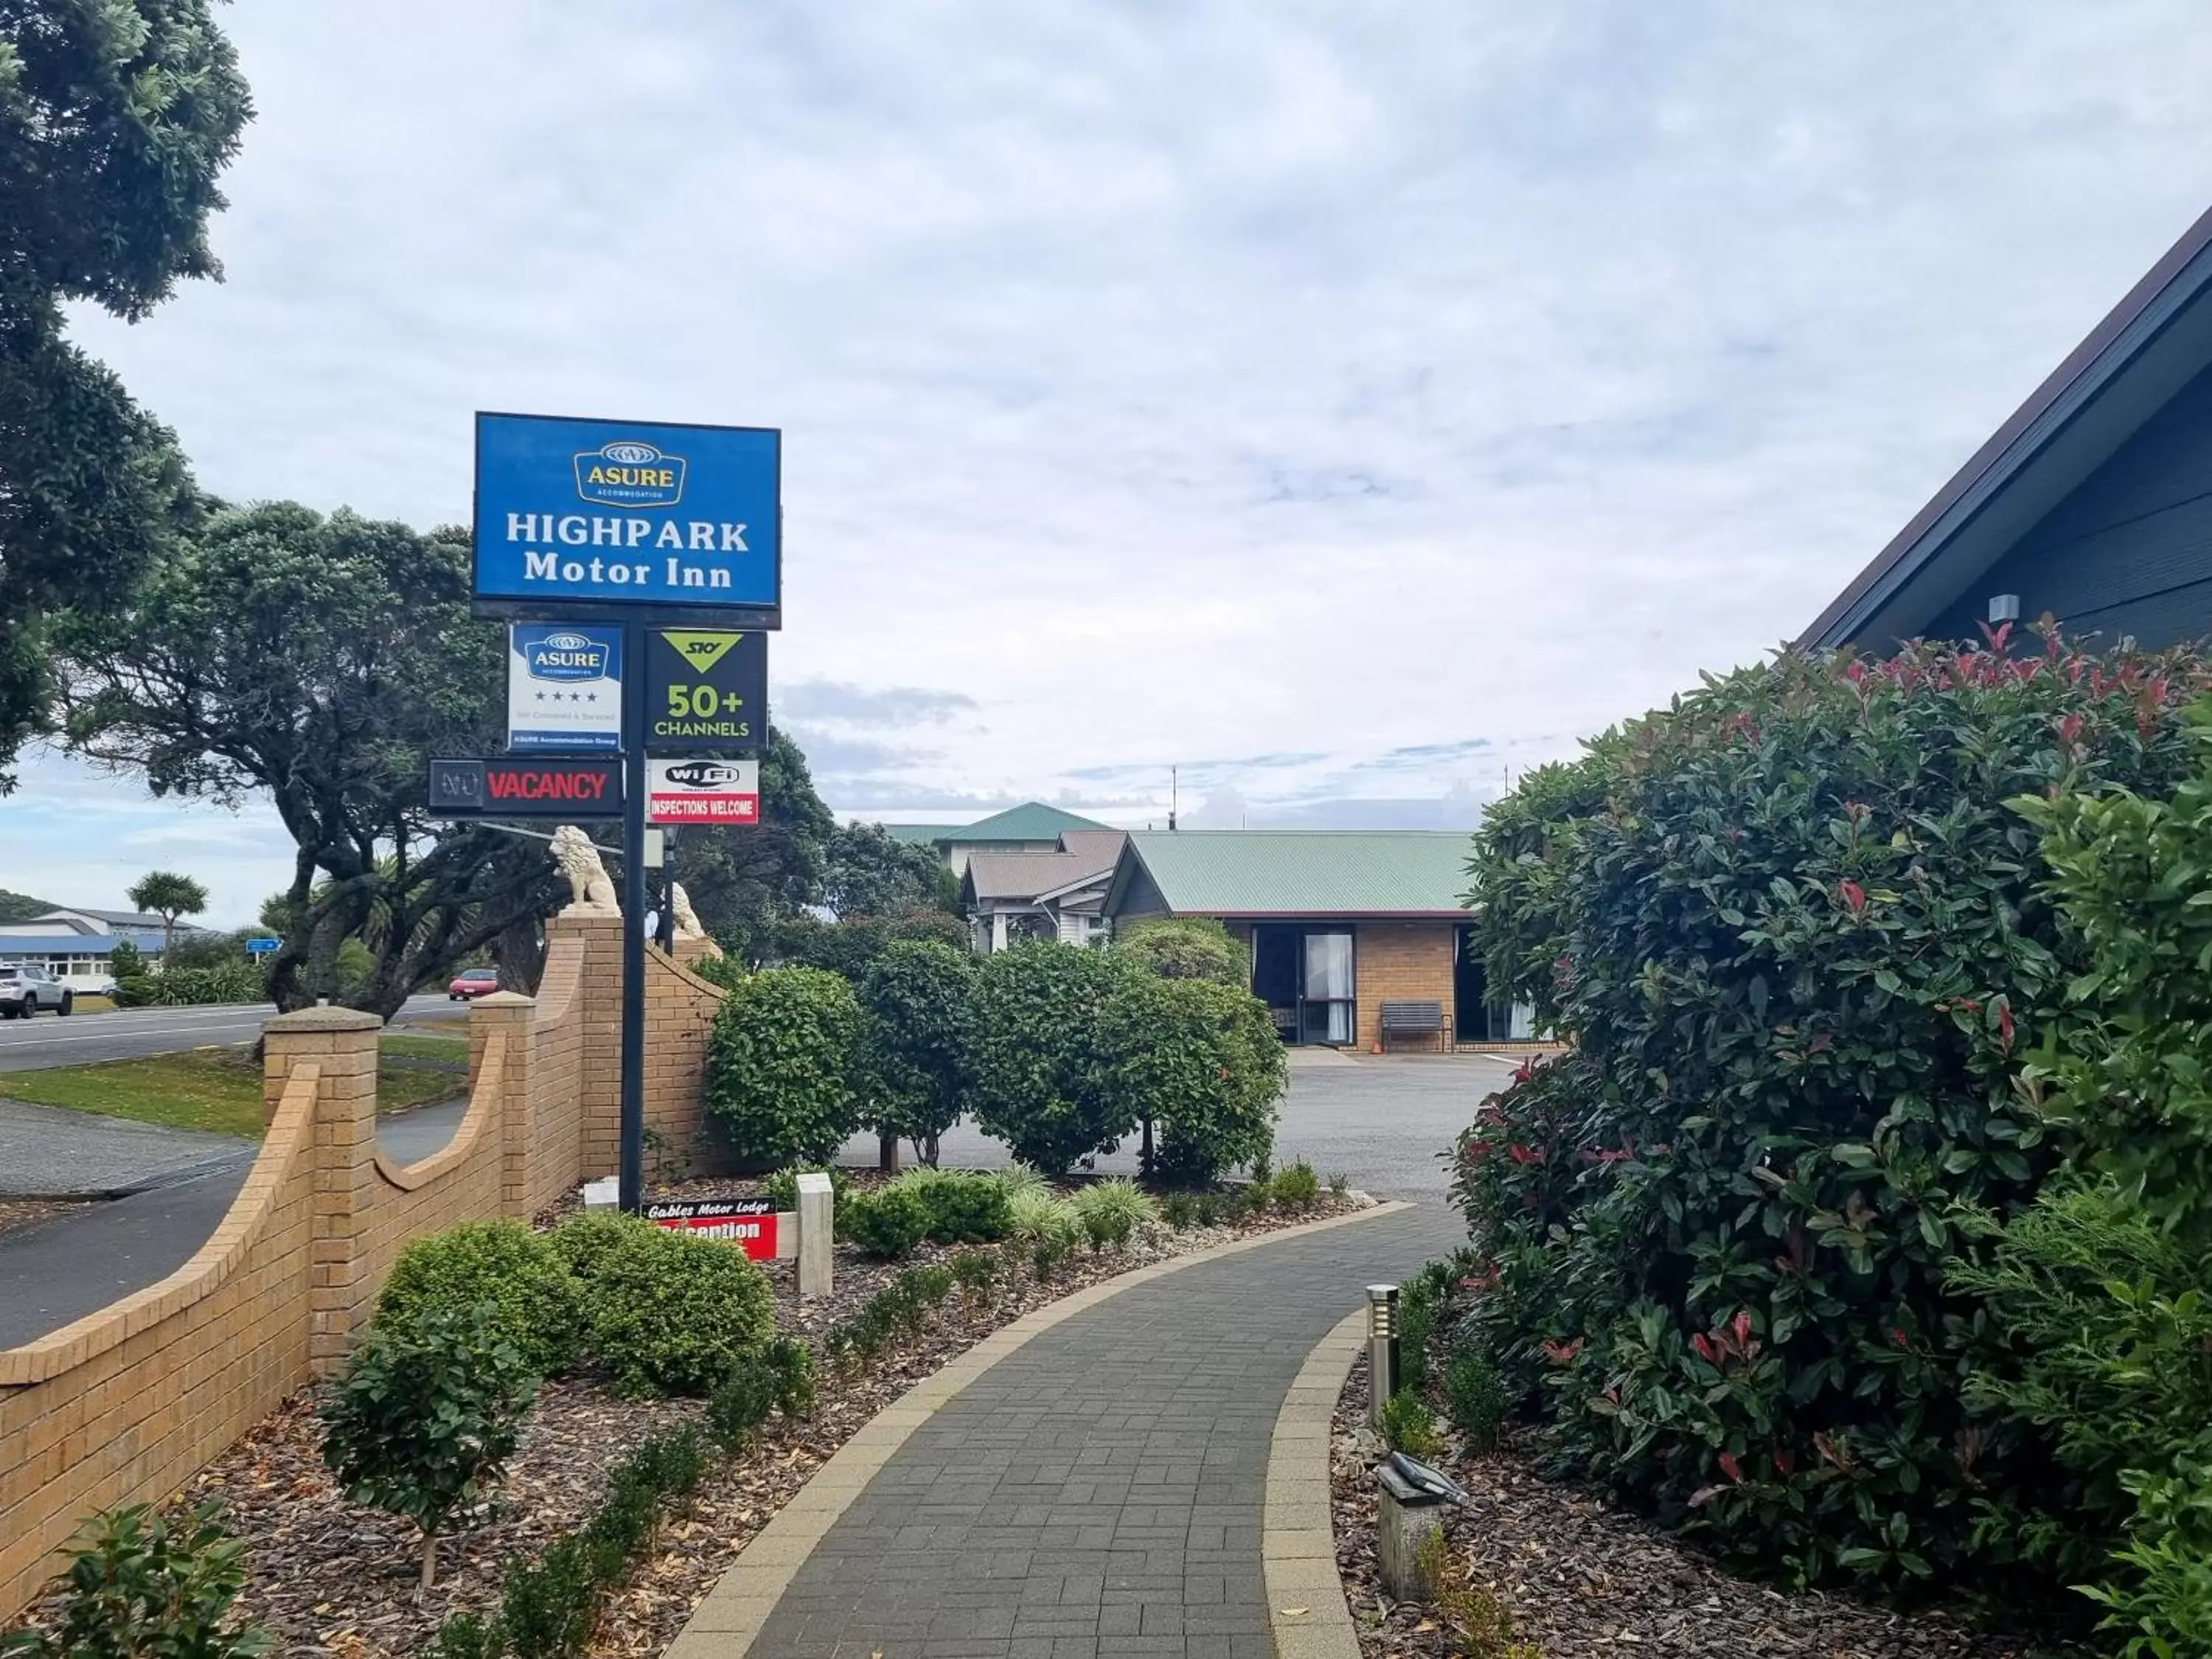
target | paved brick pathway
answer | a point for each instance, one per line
(1100, 1490)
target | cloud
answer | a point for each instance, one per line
(900, 705)
(1155, 386)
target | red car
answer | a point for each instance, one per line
(472, 982)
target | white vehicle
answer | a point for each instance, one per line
(24, 990)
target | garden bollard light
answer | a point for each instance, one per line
(1381, 1348)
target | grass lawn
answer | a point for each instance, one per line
(219, 1089)
(453, 1048)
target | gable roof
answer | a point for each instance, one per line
(139, 919)
(1258, 873)
(1031, 821)
(1025, 876)
(2146, 349)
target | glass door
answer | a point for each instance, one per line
(1325, 1004)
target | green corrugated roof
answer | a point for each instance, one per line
(1255, 873)
(1031, 821)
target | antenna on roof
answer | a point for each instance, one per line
(1172, 783)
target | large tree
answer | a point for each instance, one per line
(743, 881)
(318, 661)
(115, 118)
(168, 896)
(867, 870)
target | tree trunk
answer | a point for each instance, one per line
(1145, 1158)
(887, 1153)
(429, 1559)
(929, 1156)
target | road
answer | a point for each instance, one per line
(59, 1270)
(29, 1045)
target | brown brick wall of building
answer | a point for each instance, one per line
(1400, 961)
(127, 1403)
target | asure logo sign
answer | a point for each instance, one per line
(567, 656)
(630, 472)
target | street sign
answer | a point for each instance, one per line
(643, 520)
(750, 1222)
(564, 687)
(262, 947)
(703, 791)
(517, 788)
(706, 691)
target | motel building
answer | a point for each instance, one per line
(1338, 921)
(75, 945)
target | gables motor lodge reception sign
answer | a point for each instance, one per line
(643, 519)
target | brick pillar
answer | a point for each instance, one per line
(598, 1015)
(508, 1020)
(688, 950)
(342, 1043)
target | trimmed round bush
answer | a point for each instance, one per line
(888, 1223)
(1187, 947)
(668, 1314)
(962, 1208)
(1037, 1076)
(1202, 1062)
(780, 1064)
(502, 1262)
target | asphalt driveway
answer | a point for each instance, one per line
(1381, 1121)
(29, 1045)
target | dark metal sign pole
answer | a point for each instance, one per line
(631, 1190)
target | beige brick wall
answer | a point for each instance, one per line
(1400, 961)
(127, 1403)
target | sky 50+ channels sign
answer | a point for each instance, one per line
(635, 519)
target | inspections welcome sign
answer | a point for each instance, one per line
(639, 519)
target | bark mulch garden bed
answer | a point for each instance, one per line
(1583, 1580)
(330, 1577)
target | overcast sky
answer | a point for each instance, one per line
(1347, 403)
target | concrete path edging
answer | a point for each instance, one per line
(1306, 1608)
(733, 1613)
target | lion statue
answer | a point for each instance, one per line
(587, 878)
(688, 925)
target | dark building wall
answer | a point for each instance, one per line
(2129, 552)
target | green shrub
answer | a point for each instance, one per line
(666, 1314)
(780, 1065)
(976, 1273)
(915, 1002)
(1047, 1252)
(520, 1272)
(1409, 1426)
(781, 1189)
(1201, 1062)
(1017, 1179)
(550, 1604)
(1298, 1187)
(144, 1584)
(791, 1363)
(1039, 1212)
(667, 1465)
(426, 1417)
(1420, 1298)
(1038, 1077)
(962, 1208)
(584, 1239)
(851, 944)
(741, 1401)
(1257, 1194)
(1795, 935)
(887, 1222)
(1112, 1211)
(1186, 947)
(1181, 1211)
(184, 987)
(1340, 1185)
(1475, 1396)
(465, 1636)
(2161, 1602)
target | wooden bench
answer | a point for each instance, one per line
(1413, 1018)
